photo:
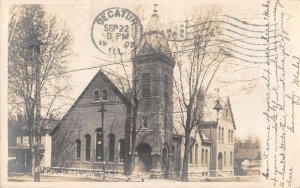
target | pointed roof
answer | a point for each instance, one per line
(209, 112)
(154, 40)
(112, 86)
(231, 113)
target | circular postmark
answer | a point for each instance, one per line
(116, 31)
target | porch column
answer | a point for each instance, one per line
(134, 164)
(156, 166)
(47, 155)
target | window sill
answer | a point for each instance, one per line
(86, 162)
(193, 165)
(98, 162)
(101, 162)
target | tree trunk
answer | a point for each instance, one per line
(32, 161)
(37, 128)
(29, 124)
(127, 160)
(133, 139)
(185, 165)
(37, 163)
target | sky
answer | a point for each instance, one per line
(247, 104)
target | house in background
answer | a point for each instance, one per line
(19, 154)
(247, 157)
(251, 167)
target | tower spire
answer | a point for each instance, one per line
(155, 9)
(154, 40)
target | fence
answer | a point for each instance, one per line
(118, 174)
(61, 171)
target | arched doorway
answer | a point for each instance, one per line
(220, 161)
(164, 156)
(144, 157)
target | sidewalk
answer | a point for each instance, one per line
(225, 179)
(45, 178)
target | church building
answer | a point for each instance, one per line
(93, 132)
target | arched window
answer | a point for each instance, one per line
(224, 158)
(229, 136)
(166, 86)
(96, 95)
(219, 134)
(78, 148)
(232, 138)
(99, 144)
(146, 85)
(164, 156)
(111, 154)
(202, 156)
(206, 156)
(231, 158)
(122, 150)
(145, 121)
(87, 147)
(222, 135)
(196, 154)
(104, 95)
(174, 153)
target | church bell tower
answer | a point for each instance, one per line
(153, 80)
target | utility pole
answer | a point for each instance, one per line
(36, 130)
(102, 110)
(217, 107)
(210, 153)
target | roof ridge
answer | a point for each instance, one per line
(105, 78)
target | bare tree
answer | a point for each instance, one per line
(39, 47)
(125, 77)
(198, 59)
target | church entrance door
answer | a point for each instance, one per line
(144, 157)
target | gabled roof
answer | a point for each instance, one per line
(231, 113)
(178, 129)
(106, 80)
(210, 114)
(204, 138)
(177, 126)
